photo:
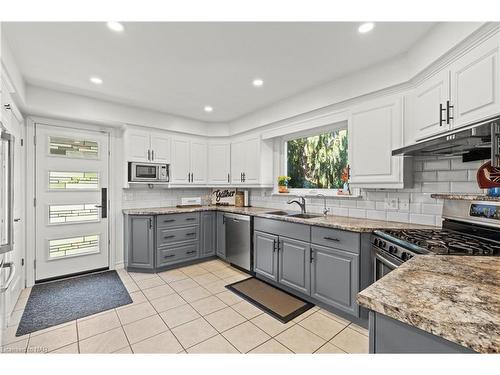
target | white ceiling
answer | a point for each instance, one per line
(179, 68)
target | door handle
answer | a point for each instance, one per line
(274, 246)
(149, 154)
(332, 239)
(448, 108)
(17, 219)
(152, 154)
(441, 110)
(311, 256)
(12, 267)
(104, 203)
(167, 237)
(228, 177)
(169, 256)
(191, 252)
(190, 234)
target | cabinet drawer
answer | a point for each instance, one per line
(175, 220)
(172, 254)
(281, 228)
(167, 236)
(338, 239)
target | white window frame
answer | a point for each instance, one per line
(283, 165)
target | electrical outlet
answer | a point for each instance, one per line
(404, 204)
(391, 204)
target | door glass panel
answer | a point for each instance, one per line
(66, 247)
(73, 148)
(73, 180)
(73, 213)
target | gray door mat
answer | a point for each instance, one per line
(57, 302)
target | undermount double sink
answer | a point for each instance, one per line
(293, 214)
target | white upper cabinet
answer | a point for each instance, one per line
(160, 148)
(219, 163)
(425, 114)
(465, 91)
(475, 84)
(251, 162)
(189, 161)
(180, 169)
(144, 146)
(375, 129)
(198, 162)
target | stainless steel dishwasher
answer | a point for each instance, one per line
(239, 240)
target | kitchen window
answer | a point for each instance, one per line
(317, 161)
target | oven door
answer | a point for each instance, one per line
(144, 172)
(383, 263)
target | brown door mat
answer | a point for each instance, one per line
(277, 303)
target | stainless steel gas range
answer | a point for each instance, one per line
(469, 228)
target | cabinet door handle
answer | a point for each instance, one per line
(448, 115)
(192, 177)
(150, 223)
(169, 256)
(190, 234)
(331, 239)
(228, 178)
(274, 246)
(244, 176)
(152, 154)
(167, 237)
(441, 110)
(169, 221)
(191, 252)
(190, 218)
(149, 154)
(311, 256)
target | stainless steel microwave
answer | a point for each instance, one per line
(148, 172)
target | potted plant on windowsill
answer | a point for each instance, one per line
(283, 184)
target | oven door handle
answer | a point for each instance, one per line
(386, 261)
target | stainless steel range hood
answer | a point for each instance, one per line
(474, 142)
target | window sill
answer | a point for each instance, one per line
(327, 196)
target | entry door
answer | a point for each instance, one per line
(71, 179)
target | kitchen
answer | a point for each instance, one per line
(343, 203)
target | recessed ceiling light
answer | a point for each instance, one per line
(96, 80)
(115, 26)
(208, 108)
(366, 27)
(257, 82)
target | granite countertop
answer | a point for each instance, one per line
(454, 297)
(330, 221)
(466, 197)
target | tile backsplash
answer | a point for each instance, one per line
(415, 205)
(431, 175)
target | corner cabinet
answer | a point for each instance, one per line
(208, 233)
(375, 129)
(252, 162)
(189, 162)
(219, 163)
(221, 236)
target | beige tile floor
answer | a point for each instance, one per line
(188, 310)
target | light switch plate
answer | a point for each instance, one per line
(404, 205)
(391, 204)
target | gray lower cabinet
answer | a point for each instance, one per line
(139, 244)
(334, 278)
(208, 233)
(266, 255)
(294, 268)
(221, 236)
(388, 335)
